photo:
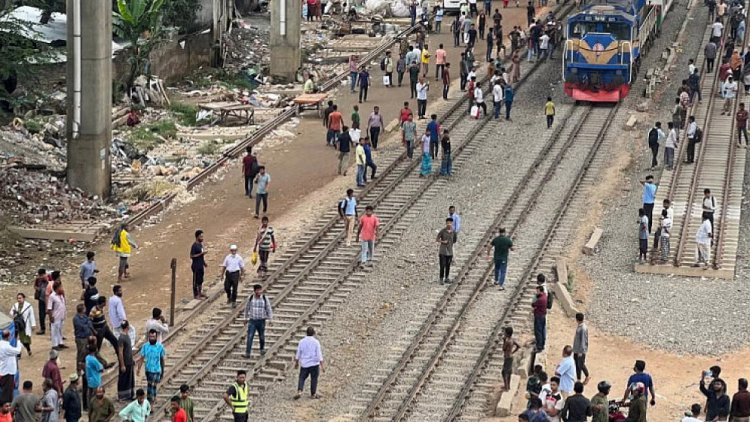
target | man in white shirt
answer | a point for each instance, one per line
(8, 366)
(553, 401)
(703, 244)
(116, 310)
(497, 98)
(665, 233)
(158, 323)
(309, 358)
(543, 45)
(670, 146)
(709, 205)
(479, 99)
(716, 29)
(232, 269)
(422, 88)
(695, 409)
(728, 92)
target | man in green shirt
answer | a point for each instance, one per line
(101, 408)
(355, 117)
(186, 402)
(502, 244)
(600, 403)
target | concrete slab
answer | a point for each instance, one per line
(560, 290)
(59, 232)
(505, 403)
(590, 246)
(683, 271)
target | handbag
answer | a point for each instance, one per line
(475, 111)
(254, 258)
(386, 80)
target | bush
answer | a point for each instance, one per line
(146, 136)
(182, 14)
(185, 113)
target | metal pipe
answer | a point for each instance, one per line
(76, 68)
(282, 18)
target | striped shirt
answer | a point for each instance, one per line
(265, 237)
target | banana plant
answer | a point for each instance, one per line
(139, 22)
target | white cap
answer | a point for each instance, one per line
(232, 247)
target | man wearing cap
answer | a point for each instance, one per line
(72, 400)
(232, 270)
(138, 410)
(126, 377)
(52, 371)
(257, 311)
(186, 403)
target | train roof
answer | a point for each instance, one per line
(625, 5)
(599, 12)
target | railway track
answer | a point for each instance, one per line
(310, 283)
(428, 372)
(719, 166)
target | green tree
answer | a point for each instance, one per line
(139, 21)
(48, 7)
(18, 53)
(182, 14)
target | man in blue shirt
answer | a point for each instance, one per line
(94, 370)
(649, 196)
(642, 377)
(88, 269)
(364, 83)
(348, 212)
(434, 129)
(153, 354)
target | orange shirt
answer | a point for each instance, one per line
(369, 224)
(334, 120)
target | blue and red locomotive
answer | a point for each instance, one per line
(604, 45)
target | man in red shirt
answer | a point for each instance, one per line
(249, 170)
(741, 117)
(335, 120)
(52, 371)
(366, 234)
(405, 113)
(5, 415)
(539, 305)
(178, 413)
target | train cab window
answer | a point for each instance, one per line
(619, 31)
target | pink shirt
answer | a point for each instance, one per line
(440, 56)
(369, 224)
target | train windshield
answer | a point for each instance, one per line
(619, 31)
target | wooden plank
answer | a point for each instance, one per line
(54, 234)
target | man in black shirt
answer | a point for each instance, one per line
(344, 145)
(90, 295)
(577, 407)
(197, 254)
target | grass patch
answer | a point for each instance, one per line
(33, 126)
(185, 113)
(146, 136)
(208, 148)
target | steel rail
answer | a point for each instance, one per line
(493, 339)
(729, 172)
(449, 294)
(698, 164)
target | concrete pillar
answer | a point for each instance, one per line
(285, 49)
(89, 166)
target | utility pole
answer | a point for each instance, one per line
(285, 38)
(89, 99)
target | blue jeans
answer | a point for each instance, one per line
(361, 174)
(353, 77)
(331, 136)
(498, 105)
(540, 331)
(507, 110)
(254, 325)
(368, 250)
(501, 267)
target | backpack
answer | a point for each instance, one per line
(698, 135)
(20, 322)
(382, 64)
(653, 137)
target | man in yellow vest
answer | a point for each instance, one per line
(122, 244)
(237, 397)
